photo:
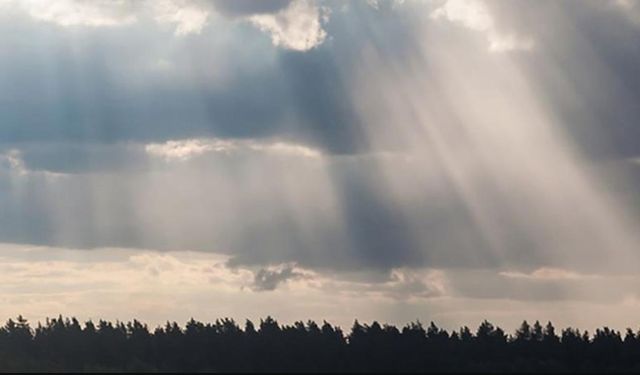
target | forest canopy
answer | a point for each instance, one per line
(65, 344)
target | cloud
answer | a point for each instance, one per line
(297, 27)
(542, 285)
(376, 4)
(188, 17)
(509, 42)
(12, 164)
(43, 281)
(268, 279)
(471, 14)
(160, 286)
(289, 157)
(99, 13)
(409, 283)
(475, 15)
(12, 160)
(546, 273)
(186, 149)
(630, 9)
(244, 8)
(285, 149)
(404, 284)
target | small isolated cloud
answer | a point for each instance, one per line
(267, 279)
(297, 27)
(408, 283)
(12, 160)
(474, 15)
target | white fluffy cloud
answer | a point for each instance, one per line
(97, 13)
(471, 14)
(187, 17)
(297, 27)
(474, 15)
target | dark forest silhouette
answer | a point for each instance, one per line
(66, 345)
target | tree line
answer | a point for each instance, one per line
(64, 344)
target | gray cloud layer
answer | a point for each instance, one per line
(400, 111)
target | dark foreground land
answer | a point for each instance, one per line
(66, 345)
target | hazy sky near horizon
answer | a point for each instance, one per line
(446, 160)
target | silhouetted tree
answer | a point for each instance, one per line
(64, 344)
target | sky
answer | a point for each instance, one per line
(434, 160)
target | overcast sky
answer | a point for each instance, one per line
(446, 160)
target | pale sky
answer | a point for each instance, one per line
(445, 160)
